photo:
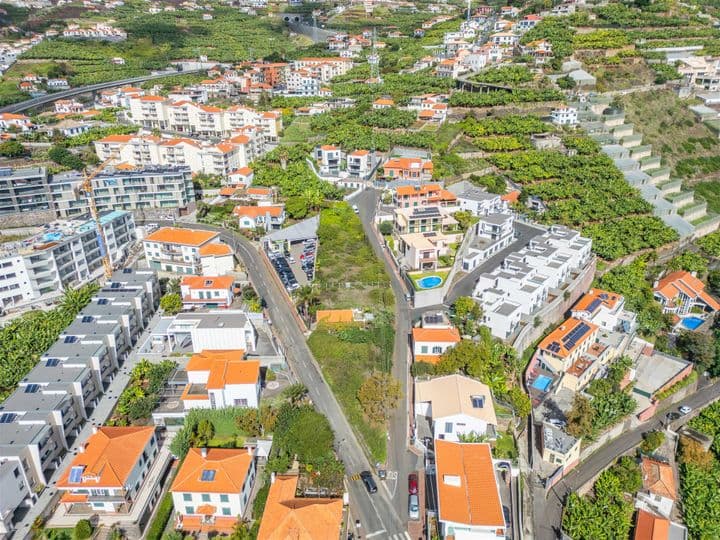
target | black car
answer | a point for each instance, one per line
(369, 481)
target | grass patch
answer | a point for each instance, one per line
(297, 132)
(505, 446)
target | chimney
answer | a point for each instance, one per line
(203, 452)
(94, 430)
(251, 451)
(81, 449)
(272, 478)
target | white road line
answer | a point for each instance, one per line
(407, 535)
(374, 534)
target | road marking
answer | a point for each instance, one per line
(393, 476)
(374, 533)
(355, 476)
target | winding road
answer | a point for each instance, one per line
(50, 98)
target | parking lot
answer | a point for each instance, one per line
(295, 265)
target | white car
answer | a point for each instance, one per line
(355, 208)
(413, 507)
(685, 409)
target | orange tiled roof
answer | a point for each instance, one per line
(467, 489)
(408, 163)
(333, 316)
(204, 282)
(681, 281)
(511, 197)
(243, 171)
(116, 138)
(658, 478)
(606, 298)
(557, 335)
(287, 517)
(186, 237)
(230, 465)
(428, 358)
(430, 335)
(188, 394)
(360, 153)
(151, 98)
(651, 527)
(227, 191)
(257, 211)
(215, 249)
(383, 101)
(258, 191)
(204, 360)
(73, 498)
(109, 457)
(225, 372)
(426, 189)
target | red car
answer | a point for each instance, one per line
(413, 483)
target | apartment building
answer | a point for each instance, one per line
(16, 493)
(420, 219)
(24, 190)
(469, 503)
(15, 122)
(157, 112)
(219, 330)
(605, 309)
(324, 69)
(177, 250)
(360, 163)
(125, 188)
(67, 254)
(477, 200)
(329, 158)
(702, 72)
(212, 488)
(206, 291)
(110, 468)
(37, 446)
(424, 251)
(205, 157)
(456, 405)
(221, 378)
(491, 234)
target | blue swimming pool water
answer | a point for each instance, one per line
(429, 282)
(542, 383)
(691, 323)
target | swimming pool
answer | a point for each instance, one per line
(542, 383)
(429, 282)
(691, 323)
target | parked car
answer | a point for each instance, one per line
(414, 507)
(369, 481)
(685, 409)
(355, 208)
(413, 483)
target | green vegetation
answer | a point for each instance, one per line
(500, 97)
(95, 134)
(142, 393)
(63, 157)
(652, 440)
(162, 516)
(417, 276)
(710, 244)
(505, 447)
(11, 149)
(710, 192)
(687, 381)
(505, 74)
(82, 530)
(690, 262)
(24, 339)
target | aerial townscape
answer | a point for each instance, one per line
(360, 269)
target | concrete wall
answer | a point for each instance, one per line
(27, 219)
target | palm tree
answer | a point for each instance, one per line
(307, 296)
(283, 154)
(313, 197)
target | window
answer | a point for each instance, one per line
(423, 349)
(189, 510)
(448, 427)
(187, 497)
(225, 511)
(16, 472)
(478, 402)
(208, 475)
(224, 498)
(205, 497)
(437, 350)
(240, 402)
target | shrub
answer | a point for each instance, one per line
(652, 441)
(162, 516)
(82, 530)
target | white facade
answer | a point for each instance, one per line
(564, 116)
(15, 492)
(176, 250)
(225, 330)
(493, 233)
(217, 265)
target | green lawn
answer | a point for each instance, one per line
(297, 132)
(417, 276)
(710, 191)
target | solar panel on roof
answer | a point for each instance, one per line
(70, 339)
(115, 285)
(208, 475)
(75, 475)
(594, 304)
(102, 301)
(127, 270)
(87, 319)
(7, 418)
(32, 388)
(52, 362)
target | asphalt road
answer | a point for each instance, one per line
(465, 285)
(399, 459)
(376, 512)
(548, 512)
(50, 98)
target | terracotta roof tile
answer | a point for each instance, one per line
(187, 237)
(230, 465)
(207, 282)
(435, 335)
(658, 478)
(334, 316)
(203, 361)
(557, 335)
(215, 249)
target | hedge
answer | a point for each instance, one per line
(157, 527)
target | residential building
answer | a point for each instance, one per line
(66, 254)
(540, 49)
(217, 330)
(449, 68)
(110, 468)
(491, 234)
(221, 378)
(101, 31)
(15, 122)
(424, 251)
(649, 526)
(559, 448)
(419, 219)
(324, 69)
(468, 497)
(212, 488)
(408, 168)
(701, 72)
(288, 516)
(478, 201)
(329, 159)
(429, 343)
(423, 195)
(659, 491)
(24, 190)
(125, 188)
(528, 22)
(565, 345)
(37, 446)
(267, 217)
(606, 310)
(16, 493)
(564, 116)
(680, 291)
(207, 291)
(360, 163)
(216, 259)
(177, 250)
(383, 103)
(505, 39)
(243, 176)
(456, 405)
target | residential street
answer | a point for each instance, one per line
(548, 512)
(376, 513)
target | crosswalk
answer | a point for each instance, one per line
(382, 534)
(355, 476)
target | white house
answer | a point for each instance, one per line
(218, 379)
(360, 163)
(216, 259)
(20, 122)
(16, 492)
(456, 405)
(493, 233)
(469, 503)
(267, 217)
(228, 329)
(206, 291)
(329, 159)
(109, 468)
(564, 116)
(176, 250)
(430, 343)
(212, 488)
(605, 309)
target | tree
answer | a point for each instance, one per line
(307, 297)
(697, 348)
(693, 453)
(203, 433)
(566, 82)
(83, 529)
(171, 303)
(378, 395)
(467, 314)
(62, 156)
(296, 207)
(11, 149)
(652, 440)
(295, 393)
(580, 418)
(690, 262)
(465, 219)
(385, 228)
(628, 472)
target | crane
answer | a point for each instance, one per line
(87, 187)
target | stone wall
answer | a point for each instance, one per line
(26, 219)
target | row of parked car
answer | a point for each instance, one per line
(284, 271)
(307, 258)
